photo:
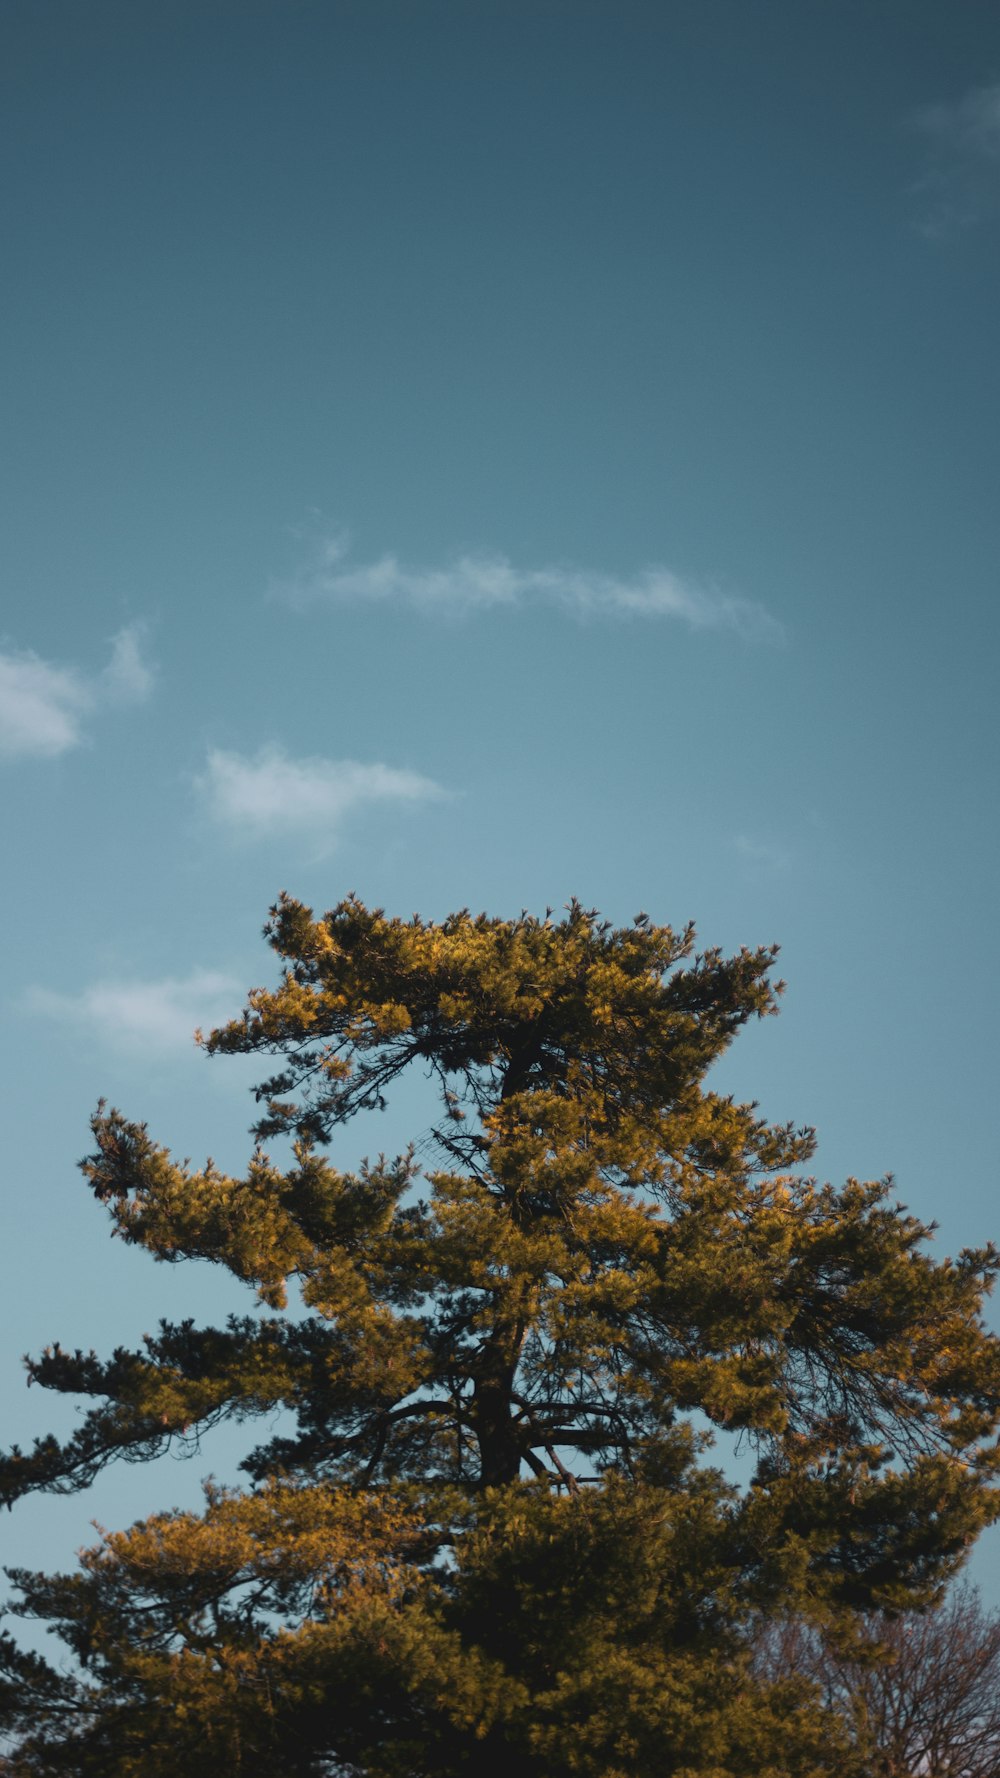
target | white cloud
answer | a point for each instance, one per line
(960, 184)
(157, 1015)
(43, 707)
(477, 582)
(271, 793)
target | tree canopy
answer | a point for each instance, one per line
(490, 1535)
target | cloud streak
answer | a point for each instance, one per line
(160, 1016)
(476, 582)
(271, 793)
(44, 708)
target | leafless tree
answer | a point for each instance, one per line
(921, 1693)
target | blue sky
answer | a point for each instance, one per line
(476, 454)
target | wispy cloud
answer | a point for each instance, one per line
(960, 184)
(763, 855)
(477, 582)
(160, 1016)
(44, 708)
(270, 793)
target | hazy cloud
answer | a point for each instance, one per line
(158, 1015)
(43, 708)
(477, 582)
(973, 124)
(960, 184)
(271, 793)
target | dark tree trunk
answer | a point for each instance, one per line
(496, 1432)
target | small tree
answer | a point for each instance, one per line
(492, 1542)
(919, 1691)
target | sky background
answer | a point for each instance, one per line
(478, 452)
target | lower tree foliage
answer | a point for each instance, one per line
(303, 1630)
(493, 1540)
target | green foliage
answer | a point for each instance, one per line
(491, 1541)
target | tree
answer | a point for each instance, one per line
(920, 1691)
(492, 1541)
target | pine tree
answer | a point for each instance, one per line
(492, 1540)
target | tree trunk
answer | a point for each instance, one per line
(496, 1432)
